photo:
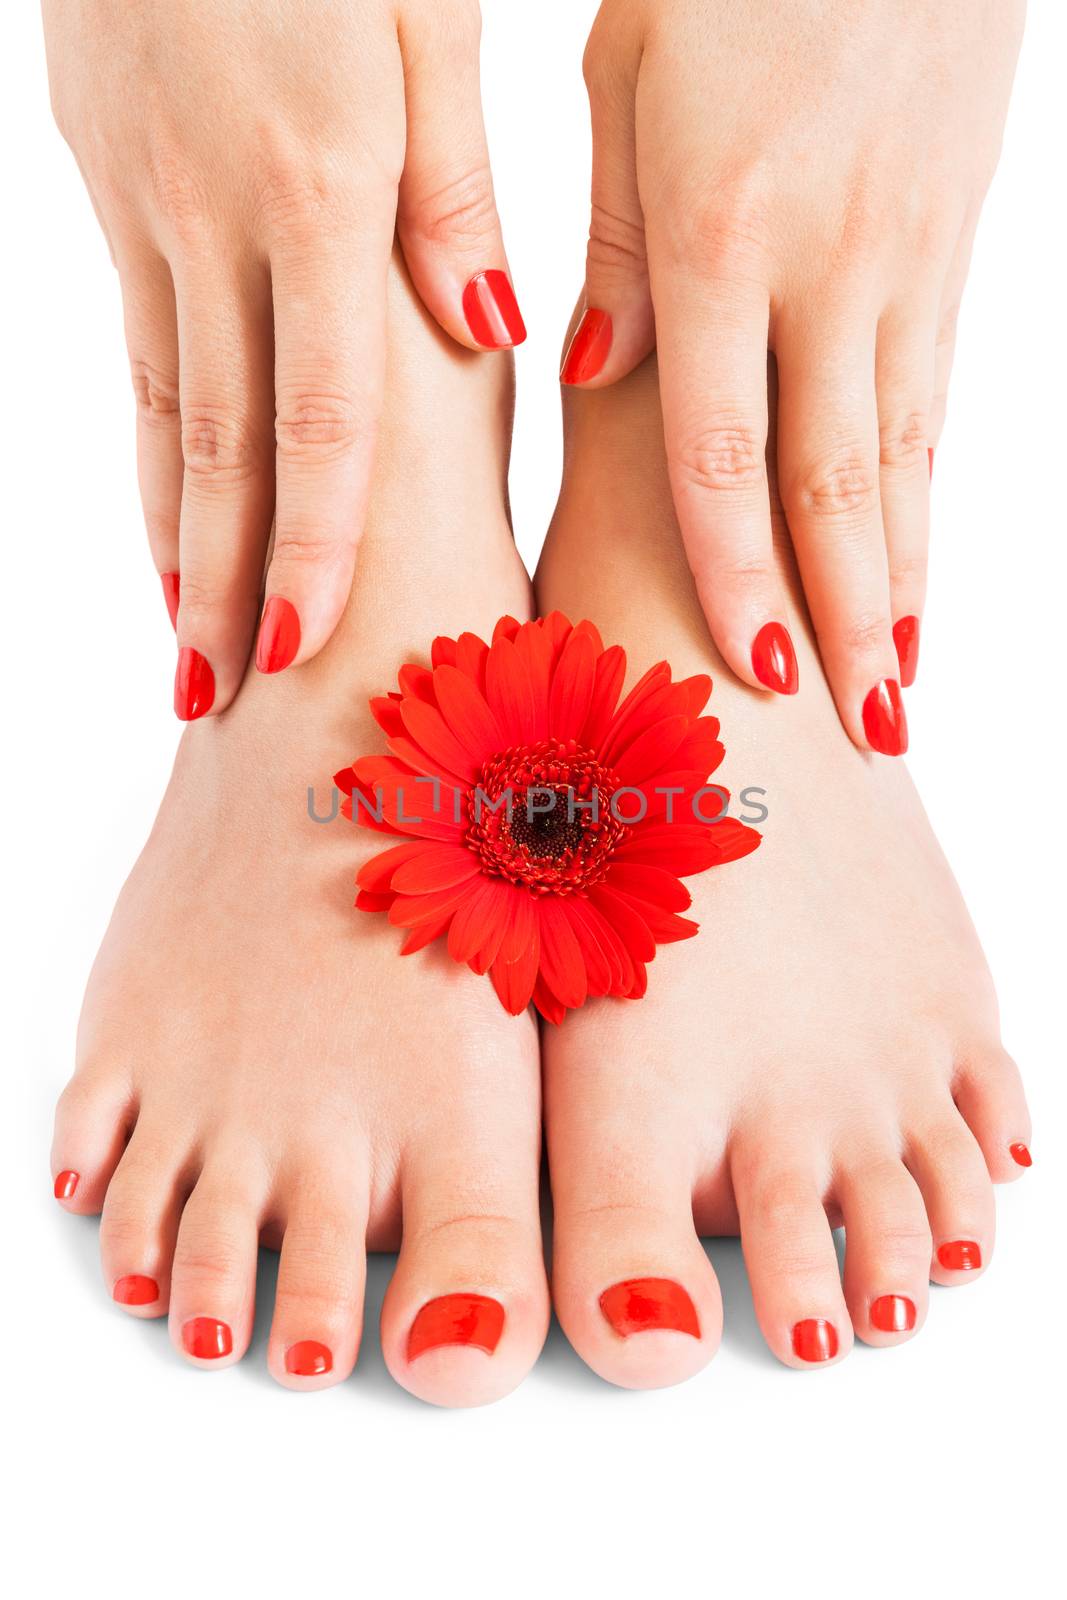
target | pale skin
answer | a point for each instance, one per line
(294, 1081)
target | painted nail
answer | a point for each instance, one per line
(588, 349)
(1020, 1155)
(172, 583)
(906, 639)
(65, 1185)
(194, 685)
(279, 635)
(465, 1319)
(930, 458)
(308, 1359)
(492, 311)
(884, 721)
(206, 1339)
(815, 1339)
(893, 1313)
(774, 660)
(135, 1290)
(959, 1255)
(641, 1305)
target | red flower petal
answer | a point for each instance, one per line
(416, 681)
(572, 687)
(429, 730)
(551, 1009)
(664, 926)
(436, 866)
(509, 692)
(465, 710)
(366, 901)
(610, 673)
(409, 805)
(522, 926)
(408, 910)
(425, 933)
(651, 750)
(471, 656)
(685, 848)
(377, 873)
(562, 966)
(474, 922)
(534, 650)
(386, 713)
(514, 980)
(630, 926)
(697, 690)
(700, 749)
(506, 628)
(443, 651)
(496, 914)
(649, 883)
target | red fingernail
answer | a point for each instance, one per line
(930, 458)
(884, 721)
(641, 1305)
(308, 1359)
(206, 1339)
(815, 1339)
(893, 1313)
(466, 1319)
(279, 635)
(194, 685)
(1021, 1155)
(906, 639)
(492, 311)
(135, 1290)
(774, 660)
(959, 1255)
(65, 1185)
(172, 583)
(588, 349)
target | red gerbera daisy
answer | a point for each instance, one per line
(545, 824)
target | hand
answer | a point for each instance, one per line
(804, 176)
(248, 161)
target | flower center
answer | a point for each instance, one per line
(540, 815)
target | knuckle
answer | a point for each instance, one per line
(215, 1258)
(724, 232)
(303, 547)
(217, 447)
(314, 425)
(904, 1241)
(156, 394)
(462, 212)
(777, 1203)
(123, 1222)
(841, 487)
(725, 455)
(903, 441)
(616, 245)
(907, 572)
(177, 193)
(866, 635)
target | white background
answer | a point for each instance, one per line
(893, 1474)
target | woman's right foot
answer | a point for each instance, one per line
(254, 1061)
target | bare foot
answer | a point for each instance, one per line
(254, 1061)
(826, 1049)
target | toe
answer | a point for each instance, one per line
(887, 1248)
(632, 1286)
(466, 1313)
(789, 1253)
(140, 1224)
(989, 1096)
(951, 1172)
(93, 1117)
(318, 1308)
(212, 1292)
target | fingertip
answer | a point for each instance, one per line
(491, 311)
(194, 685)
(278, 641)
(589, 348)
(774, 660)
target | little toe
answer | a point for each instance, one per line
(139, 1225)
(212, 1292)
(951, 1172)
(887, 1249)
(790, 1256)
(93, 1118)
(318, 1307)
(632, 1286)
(989, 1096)
(466, 1313)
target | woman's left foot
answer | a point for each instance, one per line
(826, 1049)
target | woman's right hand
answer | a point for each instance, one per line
(249, 161)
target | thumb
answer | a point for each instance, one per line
(617, 328)
(446, 214)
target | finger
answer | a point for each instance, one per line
(227, 490)
(446, 217)
(330, 320)
(905, 376)
(828, 454)
(616, 329)
(712, 338)
(151, 321)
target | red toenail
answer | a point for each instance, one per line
(135, 1290)
(65, 1185)
(906, 639)
(893, 1313)
(471, 1319)
(194, 685)
(279, 636)
(1021, 1155)
(308, 1359)
(959, 1255)
(492, 311)
(884, 721)
(815, 1339)
(641, 1305)
(774, 660)
(206, 1339)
